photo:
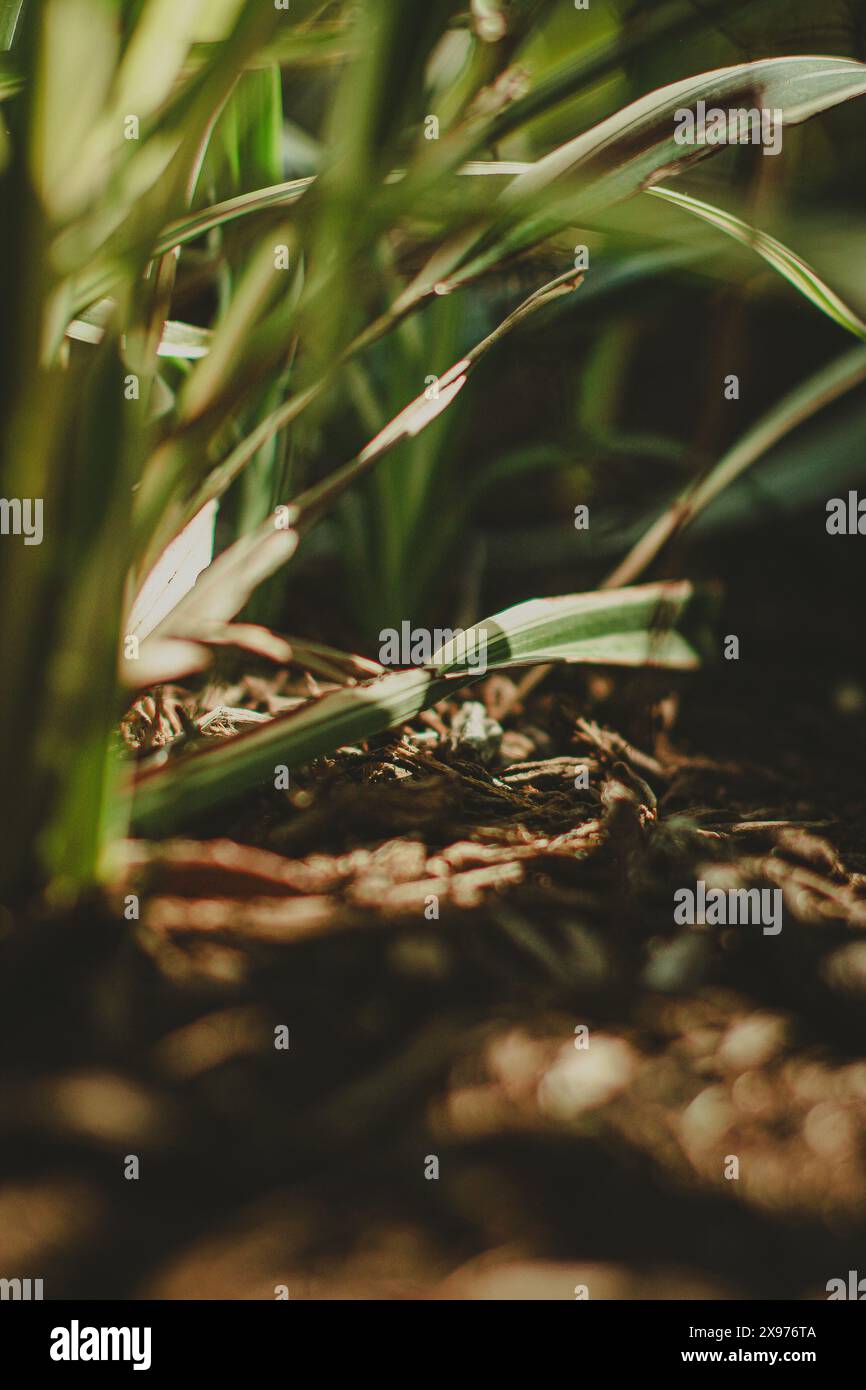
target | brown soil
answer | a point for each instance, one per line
(415, 1036)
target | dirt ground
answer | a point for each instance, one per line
(438, 919)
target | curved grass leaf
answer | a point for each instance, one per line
(799, 405)
(221, 590)
(175, 575)
(98, 283)
(794, 269)
(616, 628)
(220, 214)
(647, 31)
(644, 31)
(630, 151)
(319, 45)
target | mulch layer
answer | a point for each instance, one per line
(508, 1070)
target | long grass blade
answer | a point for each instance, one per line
(611, 628)
(628, 152)
(799, 405)
(788, 264)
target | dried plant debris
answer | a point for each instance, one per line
(512, 1009)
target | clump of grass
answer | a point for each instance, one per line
(187, 319)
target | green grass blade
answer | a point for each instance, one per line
(154, 56)
(10, 13)
(318, 46)
(629, 152)
(788, 264)
(799, 405)
(615, 627)
(644, 31)
(99, 283)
